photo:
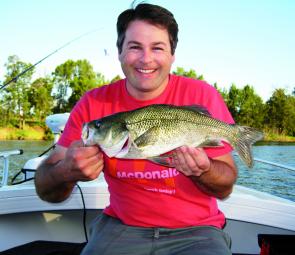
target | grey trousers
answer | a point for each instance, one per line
(109, 236)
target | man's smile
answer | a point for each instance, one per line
(145, 71)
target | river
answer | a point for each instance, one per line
(274, 180)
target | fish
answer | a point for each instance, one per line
(153, 132)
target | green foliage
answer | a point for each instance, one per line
(280, 115)
(251, 108)
(48, 135)
(62, 77)
(191, 73)
(16, 94)
(232, 100)
(246, 107)
(116, 78)
(40, 98)
(72, 79)
(289, 118)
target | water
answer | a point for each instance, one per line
(270, 179)
(31, 149)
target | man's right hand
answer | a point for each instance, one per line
(81, 163)
(58, 174)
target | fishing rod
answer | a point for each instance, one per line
(270, 163)
(14, 79)
(274, 164)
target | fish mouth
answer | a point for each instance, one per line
(125, 148)
(86, 135)
(120, 149)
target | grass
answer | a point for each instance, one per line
(273, 137)
(28, 133)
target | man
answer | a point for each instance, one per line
(153, 210)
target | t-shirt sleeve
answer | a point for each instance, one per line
(73, 127)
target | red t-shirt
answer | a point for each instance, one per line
(143, 193)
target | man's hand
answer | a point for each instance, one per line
(191, 161)
(81, 163)
(214, 176)
(58, 174)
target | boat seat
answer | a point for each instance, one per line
(276, 244)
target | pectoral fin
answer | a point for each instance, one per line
(147, 138)
(164, 160)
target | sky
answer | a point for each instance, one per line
(227, 41)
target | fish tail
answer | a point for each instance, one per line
(246, 137)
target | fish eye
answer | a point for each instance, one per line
(97, 123)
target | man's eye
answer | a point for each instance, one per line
(158, 48)
(134, 47)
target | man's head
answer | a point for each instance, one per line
(153, 14)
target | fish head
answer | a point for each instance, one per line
(111, 136)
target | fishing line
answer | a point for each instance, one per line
(80, 190)
(84, 213)
(14, 79)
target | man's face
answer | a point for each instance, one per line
(146, 59)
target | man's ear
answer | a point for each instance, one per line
(120, 56)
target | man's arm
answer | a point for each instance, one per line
(215, 177)
(58, 174)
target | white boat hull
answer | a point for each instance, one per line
(25, 218)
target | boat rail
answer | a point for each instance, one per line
(5, 155)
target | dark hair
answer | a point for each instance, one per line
(153, 14)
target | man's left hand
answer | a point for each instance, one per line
(191, 161)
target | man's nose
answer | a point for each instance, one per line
(146, 56)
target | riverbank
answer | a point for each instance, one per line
(39, 133)
(28, 133)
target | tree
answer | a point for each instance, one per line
(62, 76)
(16, 94)
(276, 111)
(251, 108)
(72, 79)
(289, 116)
(191, 73)
(223, 92)
(233, 101)
(40, 98)
(116, 78)
(84, 79)
(246, 107)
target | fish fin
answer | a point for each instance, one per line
(149, 137)
(246, 137)
(198, 108)
(211, 143)
(164, 160)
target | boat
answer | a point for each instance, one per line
(256, 221)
